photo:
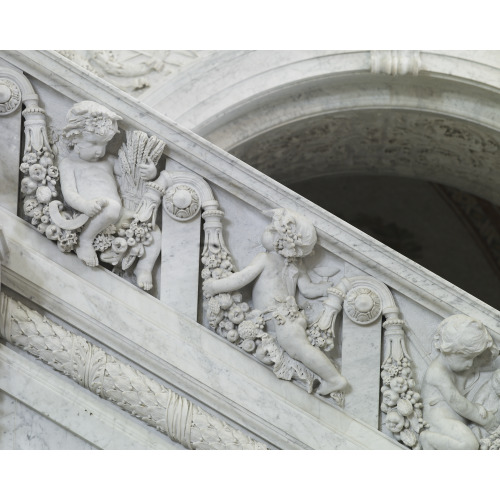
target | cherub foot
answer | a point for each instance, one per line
(329, 386)
(87, 254)
(144, 280)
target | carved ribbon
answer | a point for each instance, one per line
(104, 375)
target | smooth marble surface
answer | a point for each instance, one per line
(21, 428)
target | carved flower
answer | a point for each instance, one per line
(29, 205)
(248, 345)
(43, 194)
(212, 262)
(28, 186)
(67, 241)
(236, 315)
(24, 167)
(393, 371)
(30, 158)
(206, 274)
(399, 385)
(53, 171)
(394, 422)
(225, 300)
(102, 242)
(37, 172)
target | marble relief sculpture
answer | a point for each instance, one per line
(464, 346)
(100, 192)
(275, 331)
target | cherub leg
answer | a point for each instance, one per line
(292, 337)
(85, 249)
(457, 437)
(144, 268)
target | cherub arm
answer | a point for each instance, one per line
(148, 170)
(237, 280)
(69, 187)
(309, 289)
(117, 165)
(440, 377)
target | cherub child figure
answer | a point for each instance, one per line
(461, 342)
(277, 273)
(87, 176)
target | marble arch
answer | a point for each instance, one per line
(428, 115)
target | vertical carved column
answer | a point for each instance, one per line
(104, 375)
(361, 348)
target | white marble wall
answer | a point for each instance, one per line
(22, 428)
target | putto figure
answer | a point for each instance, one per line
(464, 345)
(88, 177)
(277, 273)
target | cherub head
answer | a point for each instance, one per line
(461, 340)
(290, 234)
(89, 128)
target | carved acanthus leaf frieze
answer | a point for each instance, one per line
(106, 376)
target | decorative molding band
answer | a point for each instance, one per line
(395, 62)
(109, 378)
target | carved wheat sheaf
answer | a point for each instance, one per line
(104, 375)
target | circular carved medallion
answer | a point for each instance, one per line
(10, 96)
(181, 202)
(362, 305)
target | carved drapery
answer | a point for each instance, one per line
(109, 378)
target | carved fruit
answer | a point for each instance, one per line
(409, 438)
(43, 194)
(246, 329)
(248, 345)
(52, 232)
(225, 300)
(405, 407)
(213, 306)
(232, 336)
